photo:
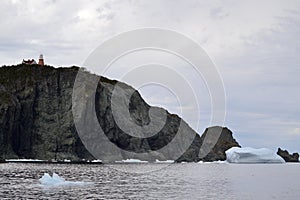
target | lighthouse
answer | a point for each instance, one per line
(41, 60)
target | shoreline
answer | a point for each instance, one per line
(53, 162)
(125, 163)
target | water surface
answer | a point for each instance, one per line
(167, 181)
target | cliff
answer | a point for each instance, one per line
(36, 120)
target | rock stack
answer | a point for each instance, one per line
(287, 156)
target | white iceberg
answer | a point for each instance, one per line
(251, 155)
(214, 162)
(56, 180)
(131, 161)
(24, 160)
(96, 161)
(164, 161)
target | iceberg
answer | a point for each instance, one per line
(24, 160)
(164, 161)
(131, 161)
(220, 162)
(144, 161)
(214, 162)
(251, 155)
(96, 161)
(56, 180)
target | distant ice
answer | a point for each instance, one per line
(56, 180)
(96, 161)
(220, 161)
(143, 161)
(132, 161)
(217, 162)
(164, 161)
(24, 160)
(251, 155)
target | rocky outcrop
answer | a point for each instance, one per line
(225, 142)
(36, 121)
(288, 157)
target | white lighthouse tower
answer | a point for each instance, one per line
(41, 60)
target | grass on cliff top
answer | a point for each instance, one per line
(18, 72)
(27, 75)
(15, 72)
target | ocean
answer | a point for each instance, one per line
(152, 181)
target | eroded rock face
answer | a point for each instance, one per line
(225, 142)
(36, 118)
(36, 121)
(288, 157)
(211, 146)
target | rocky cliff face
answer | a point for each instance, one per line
(36, 120)
(225, 142)
(212, 145)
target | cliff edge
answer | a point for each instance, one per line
(36, 120)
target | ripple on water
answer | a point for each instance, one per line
(175, 181)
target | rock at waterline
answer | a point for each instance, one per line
(2, 160)
(225, 141)
(288, 157)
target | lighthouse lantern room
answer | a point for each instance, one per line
(41, 60)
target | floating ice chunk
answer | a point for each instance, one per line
(132, 161)
(56, 180)
(164, 161)
(251, 155)
(24, 160)
(214, 162)
(220, 161)
(96, 161)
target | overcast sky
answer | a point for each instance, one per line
(254, 44)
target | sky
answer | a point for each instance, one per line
(254, 45)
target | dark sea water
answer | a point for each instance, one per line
(161, 181)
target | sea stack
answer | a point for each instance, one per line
(287, 156)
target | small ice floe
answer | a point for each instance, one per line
(251, 155)
(56, 180)
(220, 161)
(24, 160)
(96, 161)
(214, 162)
(164, 161)
(131, 161)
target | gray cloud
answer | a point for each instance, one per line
(255, 45)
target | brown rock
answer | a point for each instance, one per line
(288, 157)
